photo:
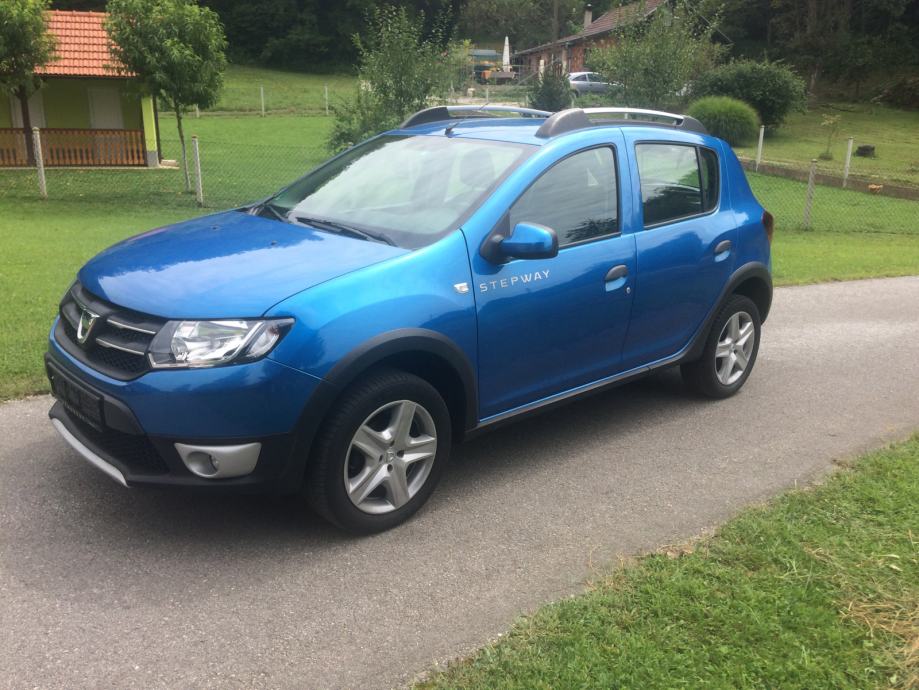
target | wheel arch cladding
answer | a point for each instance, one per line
(426, 354)
(758, 290)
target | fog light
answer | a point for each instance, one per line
(219, 462)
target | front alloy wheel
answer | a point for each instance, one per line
(390, 457)
(379, 453)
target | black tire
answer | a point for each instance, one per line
(325, 485)
(701, 375)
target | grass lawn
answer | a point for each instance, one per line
(43, 245)
(243, 158)
(284, 91)
(819, 589)
(891, 131)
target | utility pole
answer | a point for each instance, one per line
(554, 20)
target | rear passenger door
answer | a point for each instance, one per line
(685, 236)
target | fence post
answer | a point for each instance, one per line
(845, 170)
(326, 100)
(759, 147)
(197, 112)
(486, 93)
(199, 186)
(39, 163)
(809, 199)
(261, 93)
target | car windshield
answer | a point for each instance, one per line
(411, 190)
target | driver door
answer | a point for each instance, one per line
(550, 325)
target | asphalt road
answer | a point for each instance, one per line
(102, 586)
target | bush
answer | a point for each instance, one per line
(402, 69)
(903, 93)
(772, 89)
(726, 117)
(549, 91)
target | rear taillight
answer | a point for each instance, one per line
(769, 224)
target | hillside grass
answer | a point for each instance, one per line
(818, 589)
(284, 91)
(893, 132)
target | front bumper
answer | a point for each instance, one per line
(130, 429)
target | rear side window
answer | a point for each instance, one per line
(577, 197)
(677, 181)
(708, 162)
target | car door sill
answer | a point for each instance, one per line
(610, 381)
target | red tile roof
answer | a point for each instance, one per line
(82, 48)
(607, 22)
(618, 17)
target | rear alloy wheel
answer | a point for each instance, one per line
(730, 350)
(380, 453)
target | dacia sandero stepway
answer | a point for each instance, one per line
(470, 267)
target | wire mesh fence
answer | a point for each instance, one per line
(246, 159)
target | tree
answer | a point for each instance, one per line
(25, 44)
(401, 68)
(654, 61)
(176, 48)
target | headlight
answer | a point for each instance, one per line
(211, 343)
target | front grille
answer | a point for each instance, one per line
(117, 340)
(135, 452)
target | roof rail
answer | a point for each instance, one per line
(443, 112)
(579, 118)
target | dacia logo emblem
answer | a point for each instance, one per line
(85, 325)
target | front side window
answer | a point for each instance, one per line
(580, 77)
(577, 197)
(677, 181)
(411, 189)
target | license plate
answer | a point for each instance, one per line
(77, 400)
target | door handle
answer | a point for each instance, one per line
(617, 272)
(616, 278)
(723, 246)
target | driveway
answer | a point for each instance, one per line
(104, 586)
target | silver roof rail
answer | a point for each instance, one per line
(452, 112)
(580, 118)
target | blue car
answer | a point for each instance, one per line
(473, 266)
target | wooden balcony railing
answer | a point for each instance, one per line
(76, 147)
(13, 148)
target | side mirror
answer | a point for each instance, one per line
(529, 241)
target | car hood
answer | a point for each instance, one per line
(226, 265)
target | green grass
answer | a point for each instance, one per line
(819, 589)
(891, 131)
(43, 245)
(243, 158)
(800, 257)
(284, 91)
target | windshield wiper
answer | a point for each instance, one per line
(340, 228)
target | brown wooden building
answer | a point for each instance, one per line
(570, 52)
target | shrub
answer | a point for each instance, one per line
(903, 93)
(402, 69)
(726, 117)
(549, 91)
(771, 88)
